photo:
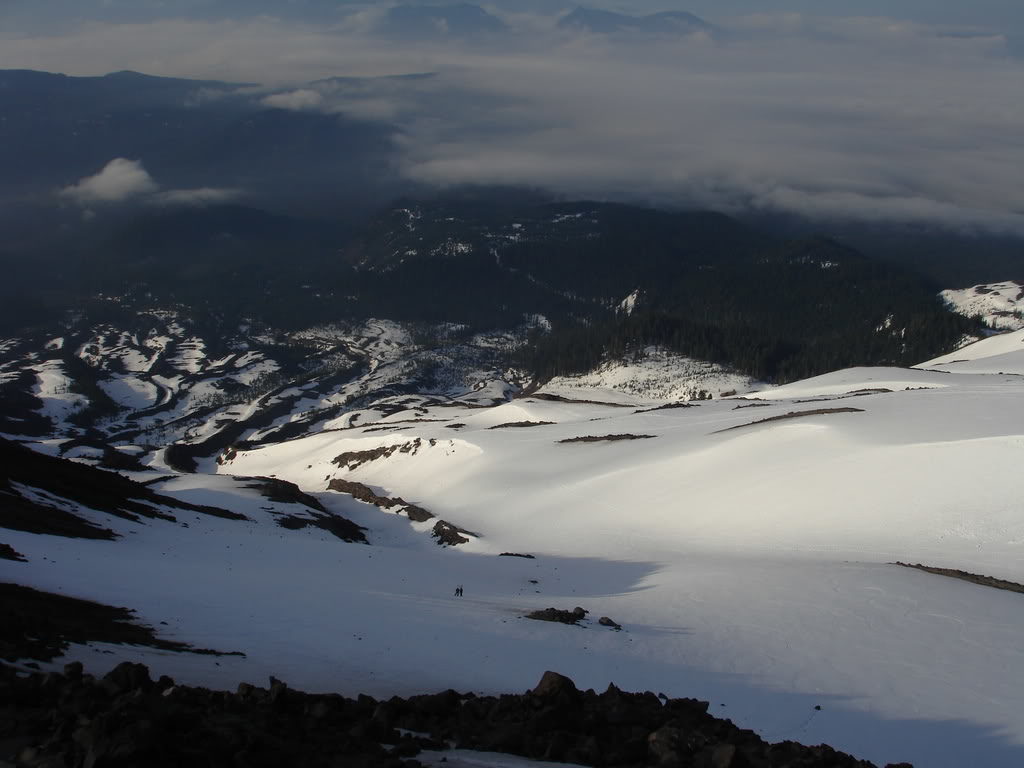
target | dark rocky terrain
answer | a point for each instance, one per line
(127, 719)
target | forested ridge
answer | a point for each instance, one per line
(705, 284)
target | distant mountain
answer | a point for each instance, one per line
(609, 23)
(432, 22)
(714, 289)
(188, 134)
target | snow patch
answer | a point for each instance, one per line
(1000, 305)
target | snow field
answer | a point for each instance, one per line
(747, 556)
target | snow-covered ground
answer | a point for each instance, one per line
(655, 375)
(744, 543)
(1000, 305)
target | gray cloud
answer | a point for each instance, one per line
(864, 118)
(194, 197)
(122, 180)
(300, 99)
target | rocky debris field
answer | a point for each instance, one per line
(127, 719)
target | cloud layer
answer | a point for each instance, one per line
(864, 118)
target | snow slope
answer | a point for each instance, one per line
(997, 354)
(746, 546)
(1000, 305)
(655, 375)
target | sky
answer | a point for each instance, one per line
(901, 111)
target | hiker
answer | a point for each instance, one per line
(458, 591)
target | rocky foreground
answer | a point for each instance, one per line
(127, 719)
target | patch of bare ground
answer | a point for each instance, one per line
(456, 425)
(282, 492)
(791, 415)
(575, 401)
(605, 438)
(36, 490)
(462, 404)
(373, 426)
(757, 404)
(336, 525)
(7, 552)
(853, 393)
(445, 533)
(510, 424)
(974, 578)
(40, 625)
(365, 493)
(668, 407)
(354, 459)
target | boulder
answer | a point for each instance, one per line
(554, 685)
(127, 676)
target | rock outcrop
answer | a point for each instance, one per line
(127, 719)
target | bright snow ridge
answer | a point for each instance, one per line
(1000, 305)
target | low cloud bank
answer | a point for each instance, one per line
(863, 118)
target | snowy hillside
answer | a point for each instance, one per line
(156, 380)
(655, 374)
(745, 544)
(1000, 305)
(998, 354)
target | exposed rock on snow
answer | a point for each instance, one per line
(336, 525)
(449, 535)
(282, 726)
(605, 438)
(795, 415)
(8, 552)
(575, 616)
(364, 493)
(974, 578)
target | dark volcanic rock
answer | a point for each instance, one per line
(365, 493)
(574, 616)
(974, 578)
(336, 525)
(284, 492)
(124, 719)
(521, 424)
(127, 677)
(449, 535)
(354, 459)
(7, 552)
(605, 438)
(555, 686)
